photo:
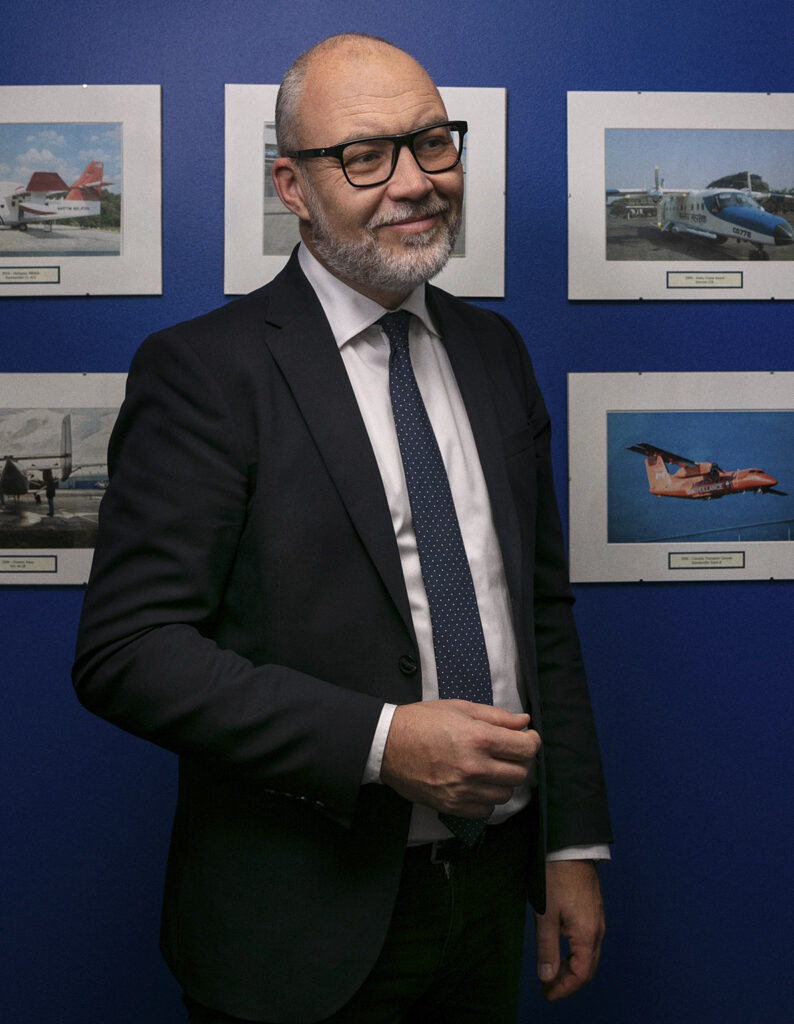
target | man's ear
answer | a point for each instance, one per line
(289, 186)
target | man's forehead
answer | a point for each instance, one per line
(381, 115)
(385, 92)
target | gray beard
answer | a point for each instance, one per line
(366, 263)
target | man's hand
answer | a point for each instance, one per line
(457, 757)
(574, 911)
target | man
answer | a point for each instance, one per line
(50, 487)
(347, 695)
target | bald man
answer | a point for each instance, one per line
(348, 613)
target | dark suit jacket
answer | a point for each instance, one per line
(247, 610)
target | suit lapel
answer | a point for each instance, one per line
(305, 351)
(472, 376)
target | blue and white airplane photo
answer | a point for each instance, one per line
(716, 214)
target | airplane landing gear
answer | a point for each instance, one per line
(759, 254)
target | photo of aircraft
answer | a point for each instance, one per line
(53, 468)
(716, 214)
(14, 482)
(699, 480)
(47, 197)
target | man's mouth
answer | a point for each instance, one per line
(415, 225)
(410, 221)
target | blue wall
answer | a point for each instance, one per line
(691, 683)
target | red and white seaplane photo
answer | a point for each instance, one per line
(47, 197)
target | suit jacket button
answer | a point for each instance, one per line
(407, 665)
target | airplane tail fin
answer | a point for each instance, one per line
(88, 187)
(65, 457)
(658, 477)
(655, 465)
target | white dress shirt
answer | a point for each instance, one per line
(364, 349)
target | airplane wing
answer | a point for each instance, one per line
(47, 181)
(650, 194)
(649, 449)
(762, 196)
(631, 196)
(31, 458)
(63, 458)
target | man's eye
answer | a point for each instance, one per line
(433, 144)
(360, 159)
(364, 158)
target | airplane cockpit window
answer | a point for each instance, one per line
(734, 199)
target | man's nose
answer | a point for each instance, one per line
(408, 179)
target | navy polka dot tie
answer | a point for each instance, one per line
(458, 642)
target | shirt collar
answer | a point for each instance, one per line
(349, 312)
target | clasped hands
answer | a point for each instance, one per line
(458, 757)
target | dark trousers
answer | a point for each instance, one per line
(452, 954)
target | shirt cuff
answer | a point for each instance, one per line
(372, 767)
(598, 852)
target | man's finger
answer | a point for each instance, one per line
(574, 973)
(547, 937)
(574, 912)
(495, 715)
(510, 739)
(514, 746)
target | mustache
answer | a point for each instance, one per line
(407, 211)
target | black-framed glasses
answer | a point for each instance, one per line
(368, 162)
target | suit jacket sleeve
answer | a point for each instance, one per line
(148, 657)
(575, 792)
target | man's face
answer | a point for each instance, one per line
(386, 239)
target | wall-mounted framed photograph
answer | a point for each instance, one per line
(675, 195)
(80, 190)
(260, 234)
(54, 432)
(681, 476)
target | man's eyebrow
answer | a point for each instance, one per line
(376, 134)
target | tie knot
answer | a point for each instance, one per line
(396, 327)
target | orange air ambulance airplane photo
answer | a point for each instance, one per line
(701, 480)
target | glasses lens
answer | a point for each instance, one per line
(437, 149)
(371, 161)
(368, 162)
